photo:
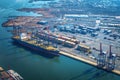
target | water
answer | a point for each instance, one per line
(33, 66)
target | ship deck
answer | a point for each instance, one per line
(34, 42)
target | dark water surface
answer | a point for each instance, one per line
(33, 66)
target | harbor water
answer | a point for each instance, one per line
(32, 66)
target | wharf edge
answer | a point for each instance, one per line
(86, 61)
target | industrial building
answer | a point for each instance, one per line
(84, 48)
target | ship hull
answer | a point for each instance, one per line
(36, 48)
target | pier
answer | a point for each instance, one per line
(86, 61)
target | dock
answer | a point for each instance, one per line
(86, 61)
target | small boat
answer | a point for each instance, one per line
(15, 75)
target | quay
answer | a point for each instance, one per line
(86, 61)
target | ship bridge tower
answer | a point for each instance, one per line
(101, 60)
(110, 64)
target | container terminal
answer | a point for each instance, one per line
(93, 39)
(9, 75)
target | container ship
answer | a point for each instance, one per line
(27, 40)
